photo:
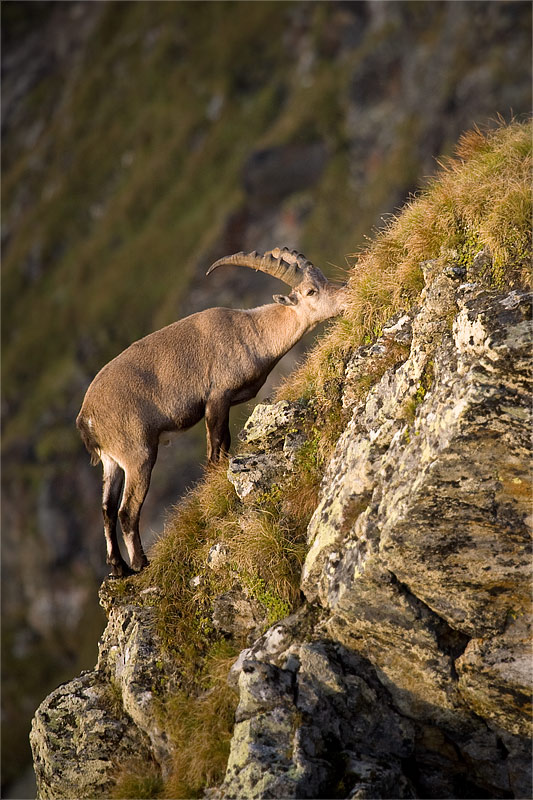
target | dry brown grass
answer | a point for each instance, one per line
(267, 547)
(201, 727)
(137, 779)
(480, 197)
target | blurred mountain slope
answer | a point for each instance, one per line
(140, 142)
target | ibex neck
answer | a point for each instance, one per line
(280, 327)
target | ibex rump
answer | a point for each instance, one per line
(199, 366)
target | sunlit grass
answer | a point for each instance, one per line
(481, 197)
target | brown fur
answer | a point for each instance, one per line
(88, 440)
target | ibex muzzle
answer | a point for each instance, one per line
(199, 366)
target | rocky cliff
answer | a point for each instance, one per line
(140, 141)
(348, 612)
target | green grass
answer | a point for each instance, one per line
(265, 551)
(201, 725)
(265, 546)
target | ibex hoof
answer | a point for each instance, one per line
(120, 571)
(139, 564)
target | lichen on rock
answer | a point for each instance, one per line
(88, 727)
(274, 431)
(419, 557)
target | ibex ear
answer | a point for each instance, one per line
(283, 300)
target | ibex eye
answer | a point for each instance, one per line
(310, 292)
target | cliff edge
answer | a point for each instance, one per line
(347, 612)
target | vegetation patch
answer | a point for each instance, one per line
(201, 725)
(137, 780)
(479, 200)
(264, 550)
(424, 385)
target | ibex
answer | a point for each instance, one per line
(199, 366)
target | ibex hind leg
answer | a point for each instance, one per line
(136, 486)
(112, 490)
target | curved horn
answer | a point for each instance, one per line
(294, 257)
(280, 263)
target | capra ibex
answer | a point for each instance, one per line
(199, 366)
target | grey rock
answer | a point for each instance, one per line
(130, 658)
(218, 556)
(373, 779)
(399, 328)
(235, 613)
(274, 430)
(496, 675)
(418, 559)
(255, 474)
(79, 734)
(259, 764)
(479, 271)
(83, 729)
(420, 539)
(269, 424)
(294, 727)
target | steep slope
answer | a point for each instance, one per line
(369, 549)
(140, 142)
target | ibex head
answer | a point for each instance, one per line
(312, 294)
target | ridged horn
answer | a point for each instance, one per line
(281, 263)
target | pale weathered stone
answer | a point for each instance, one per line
(238, 614)
(79, 734)
(86, 728)
(420, 540)
(274, 430)
(218, 555)
(417, 545)
(295, 727)
(469, 448)
(270, 423)
(496, 676)
(131, 659)
(255, 474)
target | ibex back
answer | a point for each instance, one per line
(199, 366)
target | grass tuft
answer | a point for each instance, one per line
(137, 780)
(267, 554)
(201, 727)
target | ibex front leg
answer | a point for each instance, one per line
(135, 488)
(217, 424)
